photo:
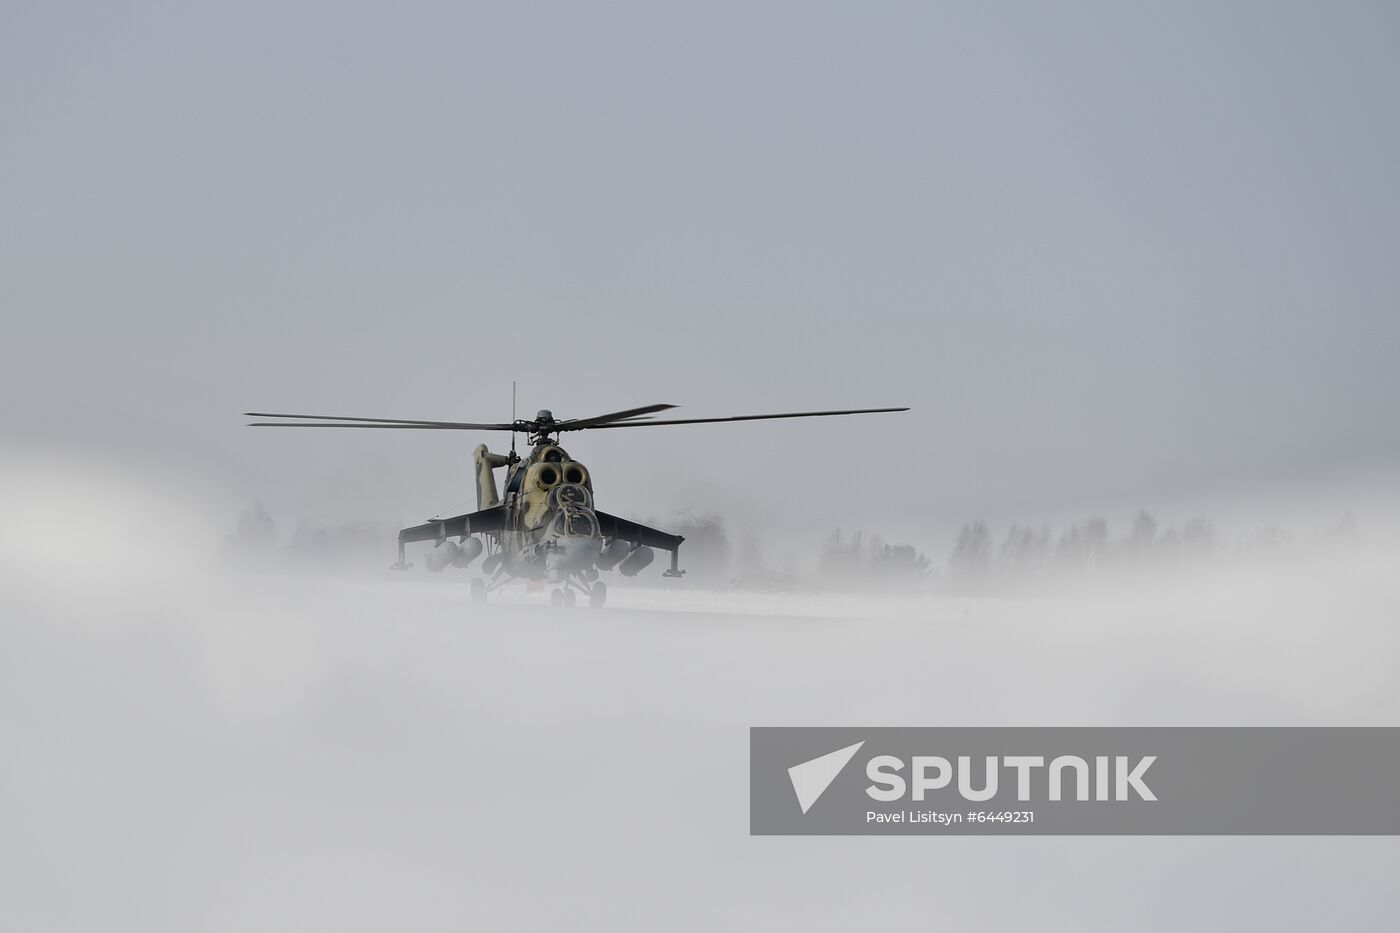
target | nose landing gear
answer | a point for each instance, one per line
(567, 595)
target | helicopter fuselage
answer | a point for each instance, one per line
(544, 527)
(551, 530)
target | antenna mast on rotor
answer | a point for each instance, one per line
(512, 419)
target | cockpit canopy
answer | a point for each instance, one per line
(570, 494)
(575, 521)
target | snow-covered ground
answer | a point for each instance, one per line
(188, 748)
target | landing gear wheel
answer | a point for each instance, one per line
(597, 595)
(479, 591)
(570, 597)
(556, 598)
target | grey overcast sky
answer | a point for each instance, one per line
(1109, 252)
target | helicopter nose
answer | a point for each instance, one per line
(575, 552)
(582, 552)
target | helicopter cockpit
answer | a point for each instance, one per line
(575, 522)
(570, 494)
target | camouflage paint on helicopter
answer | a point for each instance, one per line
(546, 526)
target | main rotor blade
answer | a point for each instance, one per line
(401, 422)
(790, 414)
(385, 427)
(574, 424)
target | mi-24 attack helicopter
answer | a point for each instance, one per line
(546, 527)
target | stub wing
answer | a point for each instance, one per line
(610, 526)
(487, 520)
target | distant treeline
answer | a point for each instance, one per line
(1030, 554)
(255, 540)
(856, 562)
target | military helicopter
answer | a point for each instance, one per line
(546, 527)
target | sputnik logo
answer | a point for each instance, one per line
(811, 778)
